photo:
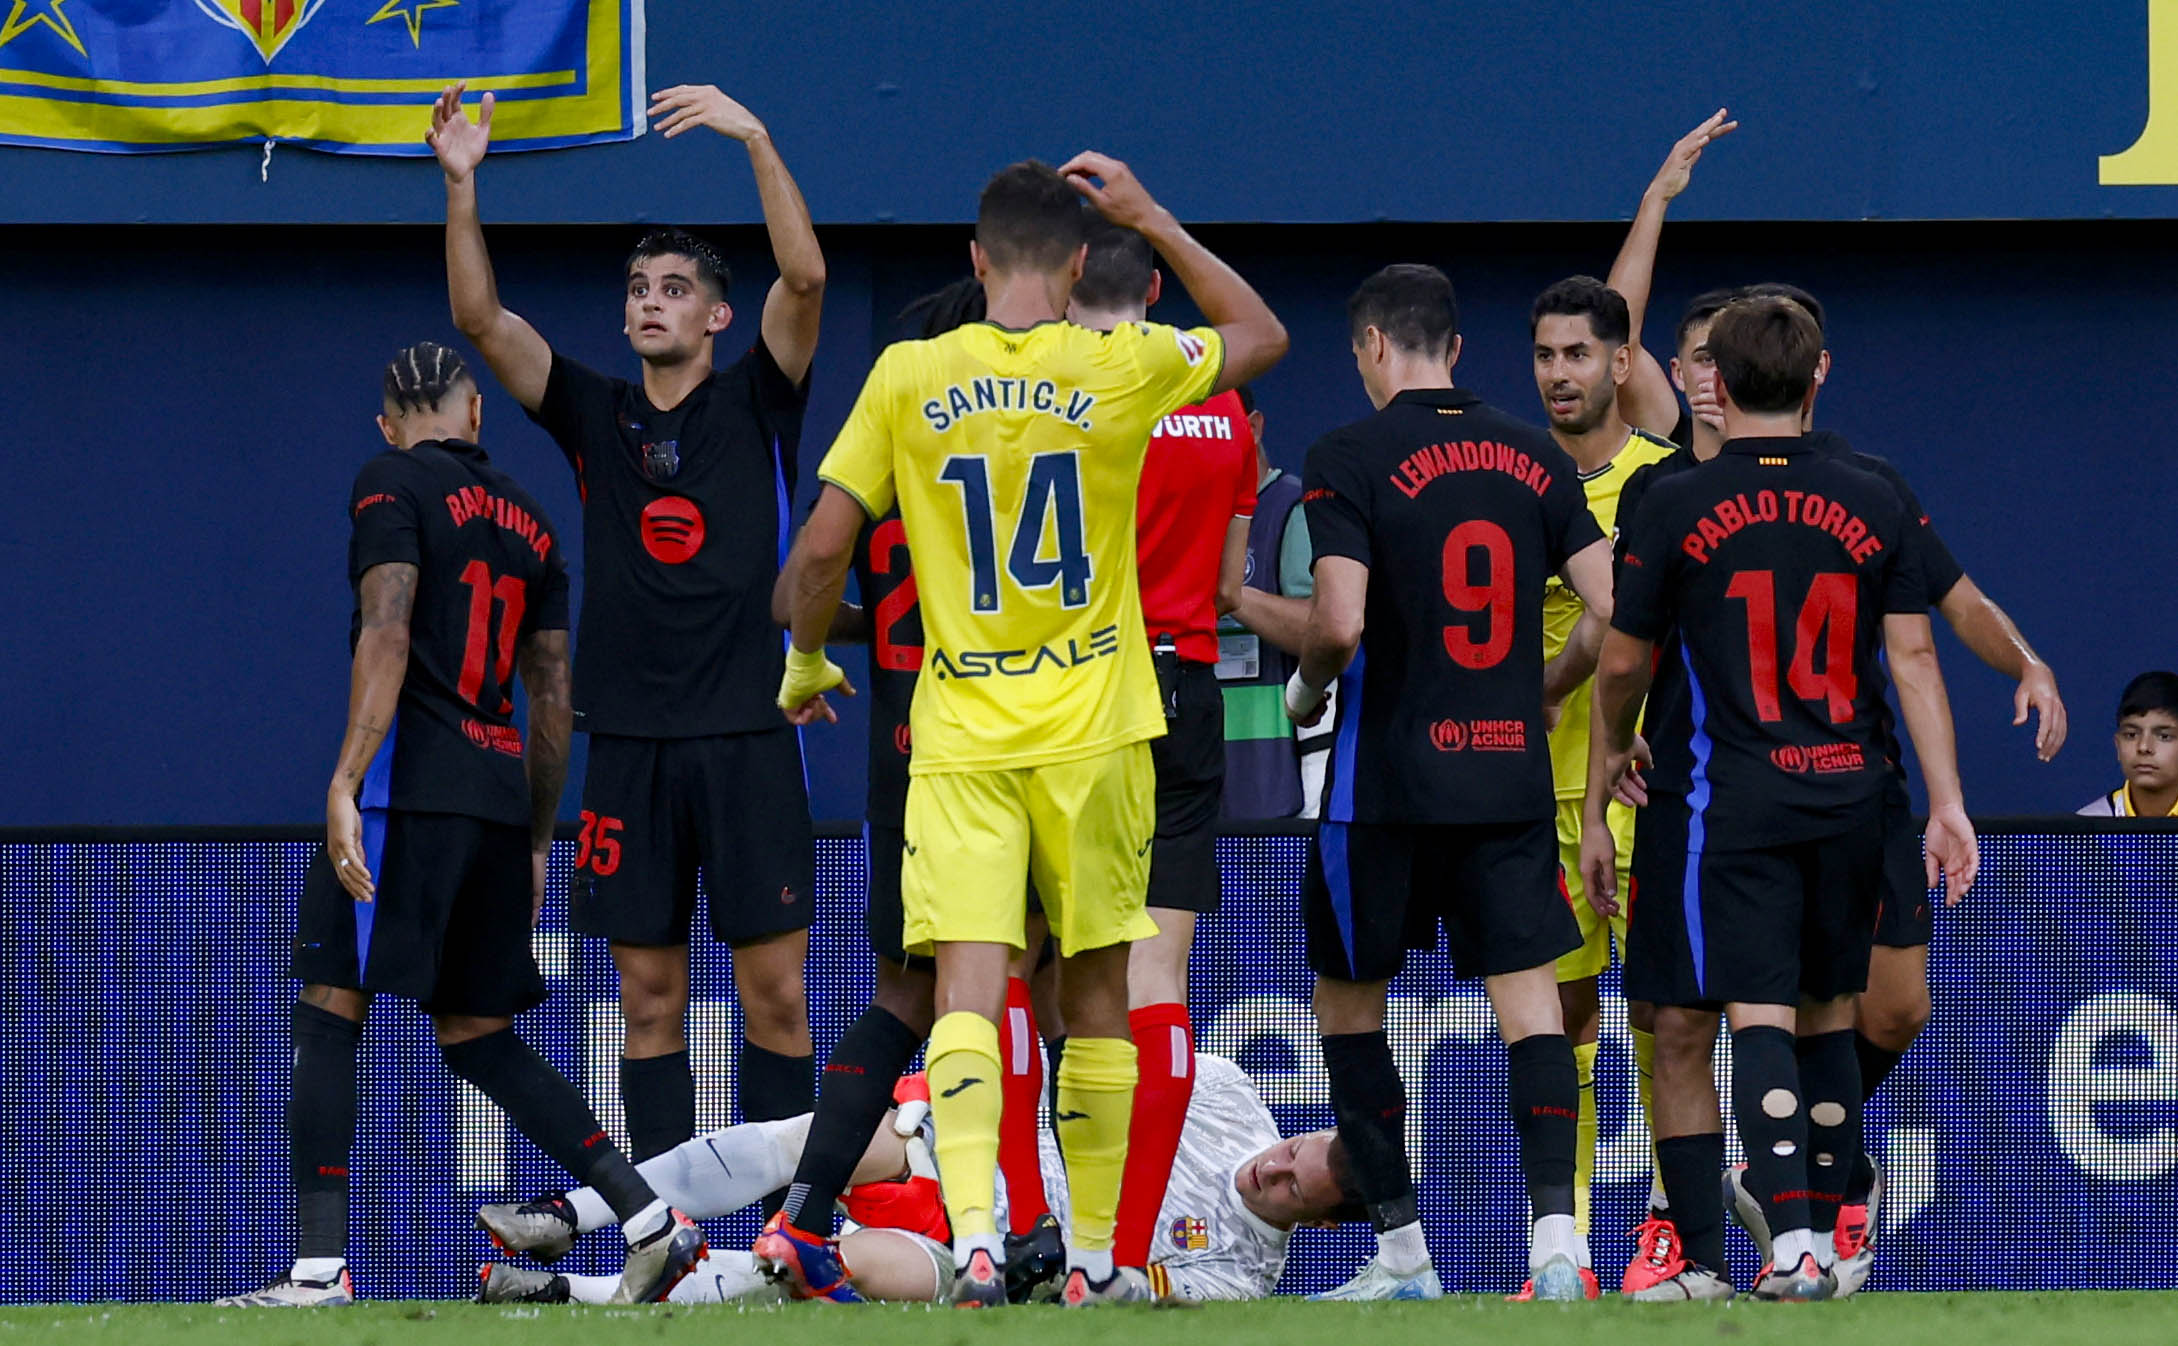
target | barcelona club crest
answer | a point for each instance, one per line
(268, 24)
(1190, 1234)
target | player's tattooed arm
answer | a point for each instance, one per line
(1951, 848)
(516, 353)
(386, 597)
(545, 676)
(1647, 399)
(1995, 639)
(1254, 338)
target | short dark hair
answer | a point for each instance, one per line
(674, 242)
(1704, 306)
(1030, 218)
(1351, 1208)
(942, 310)
(1411, 304)
(1766, 348)
(1246, 393)
(421, 376)
(1585, 296)
(2148, 693)
(1118, 269)
(1777, 289)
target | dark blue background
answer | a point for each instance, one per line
(166, 1113)
(184, 409)
(1295, 111)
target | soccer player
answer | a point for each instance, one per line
(1436, 522)
(2147, 749)
(1192, 516)
(1014, 448)
(685, 478)
(438, 822)
(1779, 567)
(1582, 333)
(1238, 1190)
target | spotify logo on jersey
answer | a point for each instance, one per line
(672, 529)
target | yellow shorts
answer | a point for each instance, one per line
(1080, 829)
(1594, 954)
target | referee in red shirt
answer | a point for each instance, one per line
(1191, 523)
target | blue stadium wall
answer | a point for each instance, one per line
(188, 353)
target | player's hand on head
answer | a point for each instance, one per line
(1678, 167)
(344, 846)
(687, 106)
(1112, 188)
(2038, 693)
(1951, 851)
(458, 142)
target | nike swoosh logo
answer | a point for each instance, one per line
(962, 1085)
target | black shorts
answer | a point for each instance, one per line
(1904, 920)
(1190, 762)
(655, 811)
(1376, 890)
(448, 927)
(887, 845)
(1764, 926)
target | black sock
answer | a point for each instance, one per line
(1830, 1079)
(1370, 1102)
(659, 1096)
(546, 1108)
(1545, 1092)
(774, 1086)
(1772, 1114)
(1876, 1064)
(1693, 1168)
(321, 1128)
(858, 1084)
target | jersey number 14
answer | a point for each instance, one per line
(1054, 492)
(1825, 624)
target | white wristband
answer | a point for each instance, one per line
(1301, 698)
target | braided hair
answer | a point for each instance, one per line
(421, 376)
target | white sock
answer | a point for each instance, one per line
(1789, 1247)
(1403, 1250)
(728, 1273)
(320, 1269)
(1826, 1251)
(1555, 1236)
(965, 1245)
(1095, 1263)
(647, 1221)
(592, 1289)
(715, 1174)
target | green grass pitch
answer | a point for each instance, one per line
(2093, 1319)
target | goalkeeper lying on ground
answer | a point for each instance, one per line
(1238, 1188)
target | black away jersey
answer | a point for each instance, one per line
(489, 572)
(887, 585)
(1776, 563)
(1461, 513)
(685, 520)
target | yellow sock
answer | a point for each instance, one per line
(1645, 1085)
(1096, 1104)
(965, 1101)
(1584, 1134)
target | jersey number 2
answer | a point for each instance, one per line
(1832, 601)
(1492, 599)
(511, 593)
(1054, 492)
(888, 544)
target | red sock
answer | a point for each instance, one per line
(1023, 1058)
(1165, 1048)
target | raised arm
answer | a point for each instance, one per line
(517, 355)
(1254, 338)
(796, 301)
(1647, 399)
(386, 597)
(1990, 633)
(1951, 848)
(545, 676)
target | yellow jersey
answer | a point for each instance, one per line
(1562, 609)
(1015, 458)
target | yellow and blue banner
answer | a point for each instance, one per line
(352, 76)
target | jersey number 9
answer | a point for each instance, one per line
(1491, 599)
